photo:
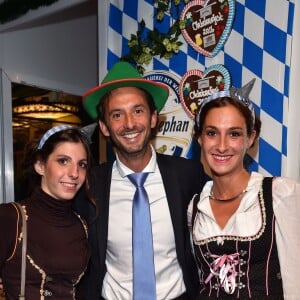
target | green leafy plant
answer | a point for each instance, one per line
(146, 44)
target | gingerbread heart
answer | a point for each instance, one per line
(207, 24)
(195, 86)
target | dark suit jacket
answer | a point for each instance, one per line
(182, 178)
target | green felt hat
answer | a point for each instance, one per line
(123, 74)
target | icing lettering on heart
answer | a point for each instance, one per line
(195, 86)
(207, 24)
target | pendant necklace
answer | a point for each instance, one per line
(211, 195)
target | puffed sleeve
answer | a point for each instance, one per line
(8, 231)
(286, 205)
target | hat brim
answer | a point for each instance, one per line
(157, 90)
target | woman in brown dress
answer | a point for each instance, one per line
(57, 246)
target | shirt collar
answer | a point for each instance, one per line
(124, 170)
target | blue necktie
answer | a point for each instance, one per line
(142, 243)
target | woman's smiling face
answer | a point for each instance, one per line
(64, 172)
(224, 140)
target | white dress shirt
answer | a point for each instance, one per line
(247, 220)
(118, 279)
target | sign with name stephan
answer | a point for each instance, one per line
(175, 128)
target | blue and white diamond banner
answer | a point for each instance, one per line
(258, 46)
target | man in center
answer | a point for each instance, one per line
(127, 107)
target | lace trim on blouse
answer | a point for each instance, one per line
(220, 238)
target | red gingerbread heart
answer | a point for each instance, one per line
(207, 24)
(195, 86)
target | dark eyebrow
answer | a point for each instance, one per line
(230, 128)
(114, 111)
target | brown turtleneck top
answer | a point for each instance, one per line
(57, 248)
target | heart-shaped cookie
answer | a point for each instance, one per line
(207, 24)
(195, 86)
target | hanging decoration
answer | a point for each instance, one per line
(207, 24)
(195, 86)
(146, 44)
(13, 9)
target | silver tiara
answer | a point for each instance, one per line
(86, 131)
(241, 94)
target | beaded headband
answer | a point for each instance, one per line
(86, 131)
(241, 94)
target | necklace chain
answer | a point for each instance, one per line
(229, 199)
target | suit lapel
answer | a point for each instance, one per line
(172, 187)
(102, 190)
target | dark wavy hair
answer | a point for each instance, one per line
(32, 154)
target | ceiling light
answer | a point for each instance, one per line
(43, 110)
